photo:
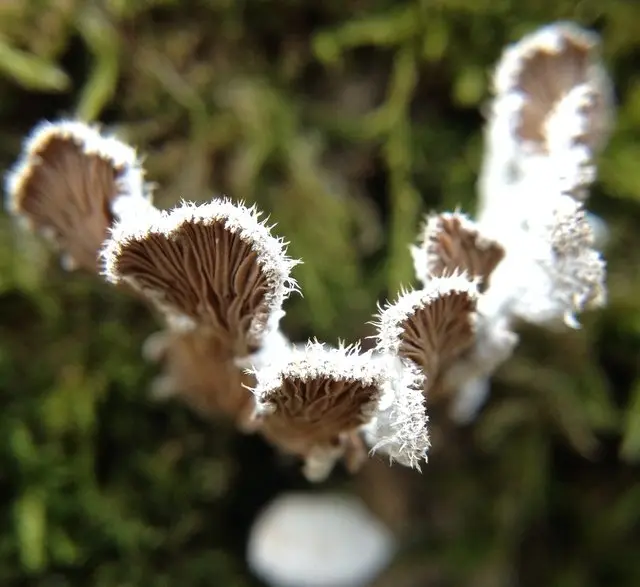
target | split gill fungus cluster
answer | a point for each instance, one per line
(218, 278)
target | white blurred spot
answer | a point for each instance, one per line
(305, 540)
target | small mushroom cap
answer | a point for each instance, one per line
(65, 186)
(214, 266)
(552, 112)
(546, 67)
(452, 242)
(198, 370)
(311, 400)
(430, 327)
(302, 540)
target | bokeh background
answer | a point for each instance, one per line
(346, 121)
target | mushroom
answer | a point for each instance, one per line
(421, 335)
(219, 278)
(558, 270)
(545, 69)
(551, 114)
(451, 242)
(312, 401)
(70, 184)
(213, 267)
(430, 327)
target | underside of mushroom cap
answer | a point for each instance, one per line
(432, 326)
(451, 242)
(543, 69)
(66, 184)
(312, 400)
(214, 266)
(563, 274)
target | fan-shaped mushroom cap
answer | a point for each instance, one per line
(452, 243)
(430, 326)
(312, 400)
(215, 266)
(553, 67)
(67, 186)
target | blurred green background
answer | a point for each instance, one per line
(346, 121)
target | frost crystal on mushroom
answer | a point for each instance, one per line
(214, 266)
(452, 242)
(566, 274)
(419, 337)
(312, 399)
(400, 427)
(70, 184)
